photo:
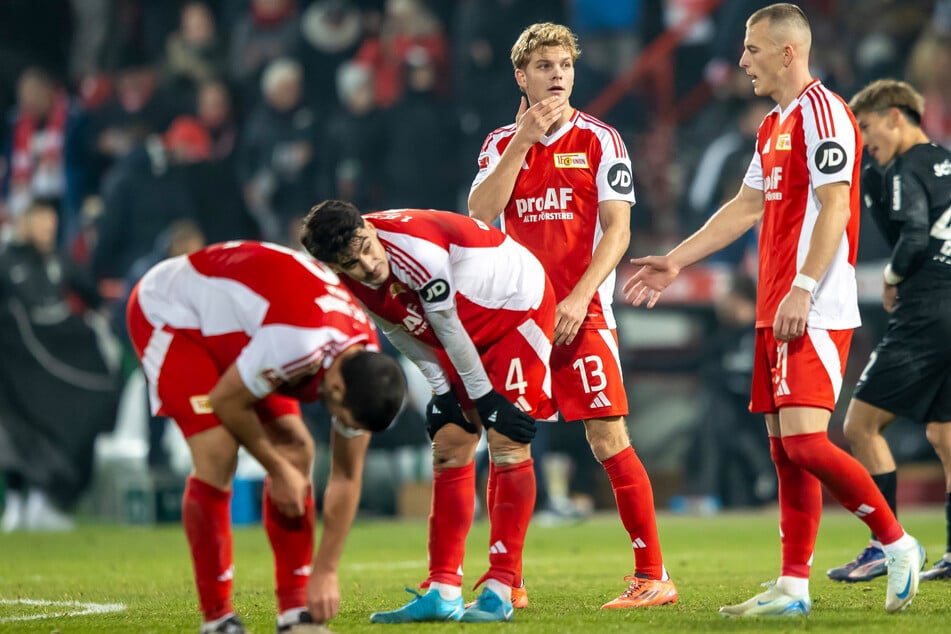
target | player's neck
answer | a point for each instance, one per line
(557, 125)
(792, 87)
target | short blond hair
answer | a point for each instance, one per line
(543, 34)
(883, 94)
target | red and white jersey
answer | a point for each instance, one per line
(814, 142)
(553, 209)
(281, 315)
(439, 259)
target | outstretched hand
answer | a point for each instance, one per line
(654, 276)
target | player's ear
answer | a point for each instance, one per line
(520, 79)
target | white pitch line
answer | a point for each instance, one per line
(85, 608)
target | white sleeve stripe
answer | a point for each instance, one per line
(620, 150)
(404, 262)
(825, 124)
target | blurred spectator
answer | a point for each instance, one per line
(728, 459)
(610, 30)
(222, 212)
(278, 158)
(42, 150)
(930, 69)
(353, 168)
(58, 381)
(147, 191)
(181, 238)
(268, 31)
(135, 109)
(718, 177)
(216, 111)
(193, 53)
(407, 24)
(422, 131)
(332, 32)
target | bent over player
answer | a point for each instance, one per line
(230, 337)
(475, 312)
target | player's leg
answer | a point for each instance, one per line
(509, 516)
(450, 518)
(800, 500)
(589, 386)
(939, 435)
(180, 374)
(291, 538)
(863, 429)
(811, 374)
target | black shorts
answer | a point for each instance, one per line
(909, 373)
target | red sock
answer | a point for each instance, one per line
(800, 508)
(514, 503)
(292, 541)
(635, 505)
(846, 479)
(206, 516)
(450, 519)
(490, 502)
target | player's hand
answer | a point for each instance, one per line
(569, 314)
(531, 124)
(288, 489)
(499, 414)
(655, 275)
(889, 297)
(442, 410)
(790, 320)
(323, 596)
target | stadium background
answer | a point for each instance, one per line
(395, 99)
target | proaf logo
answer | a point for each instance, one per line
(553, 199)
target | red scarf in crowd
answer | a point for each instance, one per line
(25, 157)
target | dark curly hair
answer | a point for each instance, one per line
(329, 230)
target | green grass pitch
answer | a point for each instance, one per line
(570, 570)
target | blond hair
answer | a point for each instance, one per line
(883, 94)
(542, 34)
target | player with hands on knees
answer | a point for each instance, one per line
(474, 311)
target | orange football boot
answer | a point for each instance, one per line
(643, 593)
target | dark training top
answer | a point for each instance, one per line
(912, 208)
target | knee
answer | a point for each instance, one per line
(607, 438)
(453, 447)
(504, 451)
(856, 432)
(939, 435)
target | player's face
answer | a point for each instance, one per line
(366, 262)
(880, 135)
(762, 59)
(550, 71)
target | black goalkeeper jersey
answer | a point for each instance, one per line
(914, 214)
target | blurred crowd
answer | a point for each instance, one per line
(152, 127)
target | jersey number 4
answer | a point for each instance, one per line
(941, 230)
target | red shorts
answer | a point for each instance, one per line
(517, 364)
(587, 376)
(180, 373)
(804, 372)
